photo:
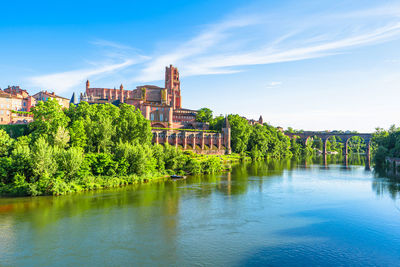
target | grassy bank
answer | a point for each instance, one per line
(62, 187)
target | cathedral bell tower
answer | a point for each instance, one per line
(173, 86)
(121, 92)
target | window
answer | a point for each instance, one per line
(161, 117)
(1, 112)
(24, 104)
(152, 117)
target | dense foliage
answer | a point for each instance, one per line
(258, 141)
(386, 144)
(15, 130)
(87, 147)
(204, 115)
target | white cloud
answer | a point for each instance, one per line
(273, 84)
(106, 43)
(222, 48)
(63, 81)
(210, 51)
(196, 46)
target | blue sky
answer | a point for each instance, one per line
(311, 65)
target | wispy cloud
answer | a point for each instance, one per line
(271, 85)
(239, 41)
(210, 52)
(197, 46)
(64, 81)
(106, 43)
(114, 57)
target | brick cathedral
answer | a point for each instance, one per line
(162, 106)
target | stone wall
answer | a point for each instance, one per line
(200, 142)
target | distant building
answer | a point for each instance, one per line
(15, 103)
(254, 122)
(161, 105)
(44, 96)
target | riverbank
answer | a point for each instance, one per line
(58, 186)
(182, 222)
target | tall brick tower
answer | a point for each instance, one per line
(226, 132)
(173, 86)
(121, 93)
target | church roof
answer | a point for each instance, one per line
(227, 125)
(150, 86)
(73, 99)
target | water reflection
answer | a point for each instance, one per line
(259, 213)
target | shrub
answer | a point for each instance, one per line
(70, 161)
(43, 160)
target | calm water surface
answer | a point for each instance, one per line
(267, 213)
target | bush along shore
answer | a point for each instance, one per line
(387, 150)
(89, 147)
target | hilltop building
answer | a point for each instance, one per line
(44, 96)
(254, 122)
(15, 103)
(161, 105)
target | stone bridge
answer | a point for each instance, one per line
(345, 137)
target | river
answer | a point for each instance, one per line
(274, 213)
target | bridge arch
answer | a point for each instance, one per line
(306, 136)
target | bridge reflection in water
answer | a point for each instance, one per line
(345, 160)
(306, 136)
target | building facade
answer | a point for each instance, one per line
(201, 142)
(44, 96)
(16, 103)
(161, 105)
(254, 122)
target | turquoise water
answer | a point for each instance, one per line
(275, 213)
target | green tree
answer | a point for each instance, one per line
(6, 143)
(48, 117)
(131, 126)
(240, 133)
(204, 115)
(70, 161)
(78, 134)
(43, 160)
(61, 137)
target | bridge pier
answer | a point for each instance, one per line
(368, 154)
(346, 147)
(184, 141)
(202, 141)
(346, 161)
(324, 143)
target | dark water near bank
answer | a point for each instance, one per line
(275, 213)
